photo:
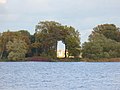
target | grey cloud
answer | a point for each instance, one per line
(82, 14)
(2, 9)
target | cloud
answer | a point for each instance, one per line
(2, 10)
(80, 7)
(3, 1)
(81, 14)
(2, 7)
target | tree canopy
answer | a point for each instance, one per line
(9, 36)
(20, 44)
(49, 32)
(110, 31)
(103, 43)
(17, 49)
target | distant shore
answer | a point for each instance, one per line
(102, 60)
(44, 59)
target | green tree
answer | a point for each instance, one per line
(25, 36)
(104, 42)
(5, 37)
(72, 42)
(17, 49)
(49, 32)
(110, 31)
(100, 47)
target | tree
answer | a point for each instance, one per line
(49, 32)
(110, 31)
(25, 36)
(5, 37)
(104, 42)
(100, 47)
(72, 42)
(17, 49)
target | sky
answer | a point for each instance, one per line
(84, 15)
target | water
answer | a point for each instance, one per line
(59, 76)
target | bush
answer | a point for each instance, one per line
(16, 56)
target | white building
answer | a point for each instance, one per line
(60, 50)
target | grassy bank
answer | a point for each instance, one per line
(44, 59)
(101, 60)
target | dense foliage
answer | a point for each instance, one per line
(11, 39)
(17, 49)
(20, 44)
(103, 43)
(110, 31)
(48, 33)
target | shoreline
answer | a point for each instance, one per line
(65, 60)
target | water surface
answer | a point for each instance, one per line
(59, 76)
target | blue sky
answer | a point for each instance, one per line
(84, 15)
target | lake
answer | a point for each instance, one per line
(59, 76)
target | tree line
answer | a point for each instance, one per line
(103, 42)
(21, 44)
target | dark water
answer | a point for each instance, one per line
(59, 76)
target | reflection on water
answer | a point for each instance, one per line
(59, 76)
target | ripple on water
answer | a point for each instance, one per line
(59, 76)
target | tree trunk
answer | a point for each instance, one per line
(36, 51)
(65, 51)
(1, 55)
(56, 49)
